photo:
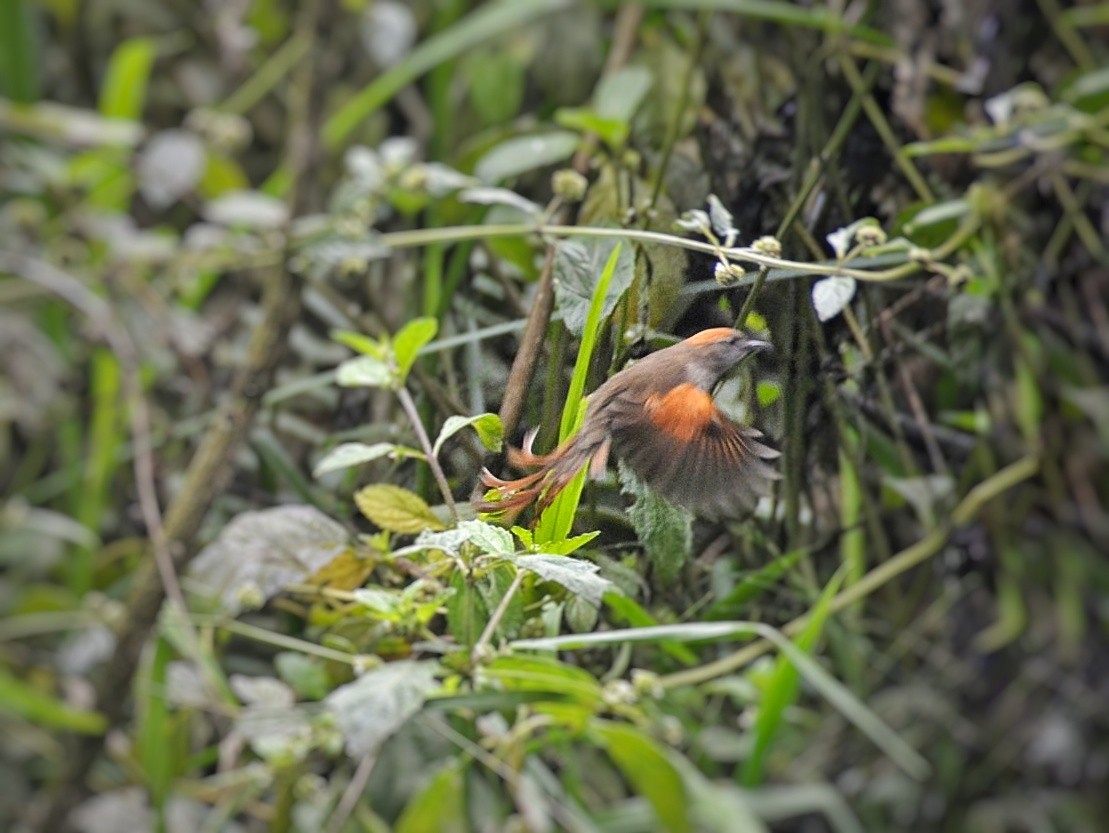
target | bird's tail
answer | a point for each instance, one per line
(552, 473)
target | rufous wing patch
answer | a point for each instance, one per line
(682, 413)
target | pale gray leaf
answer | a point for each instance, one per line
(620, 93)
(378, 703)
(518, 155)
(577, 576)
(388, 31)
(831, 296)
(501, 196)
(261, 553)
(247, 209)
(169, 166)
(261, 691)
(351, 454)
(491, 539)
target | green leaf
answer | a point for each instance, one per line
(153, 732)
(496, 86)
(521, 154)
(612, 131)
(753, 585)
(360, 343)
(619, 94)
(395, 509)
(488, 427)
(439, 806)
(664, 530)
(353, 454)
(373, 707)
(931, 224)
(123, 92)
(466, 610)
(579, 264)
(548, 675)
(557, 521)
(768, 392)
(365, 372)
(569, 545)
(305, 675)
(577, 576)
(408, 342)
(648, 769)
(36, 706)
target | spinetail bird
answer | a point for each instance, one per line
(658, 416)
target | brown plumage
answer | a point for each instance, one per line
(659, 418)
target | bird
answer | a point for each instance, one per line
(659, 417)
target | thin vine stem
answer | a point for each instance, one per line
(452, 234)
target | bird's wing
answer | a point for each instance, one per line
(691, 454)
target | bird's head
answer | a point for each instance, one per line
(712, 354)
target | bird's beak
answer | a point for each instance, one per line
(754, 345)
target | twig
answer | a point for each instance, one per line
(413, 414)
(498, 613)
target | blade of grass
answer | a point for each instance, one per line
(559, 518)
(781, 692)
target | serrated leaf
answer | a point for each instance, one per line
(395, 509)
(373, 707)
(364, 372)
(258, 554)
(577, 576)
(351, 454)
(578, 264)
(408, 342)
(520, 154)
(488, 427)
(664, 530)
(831, 296)
(489, 538)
